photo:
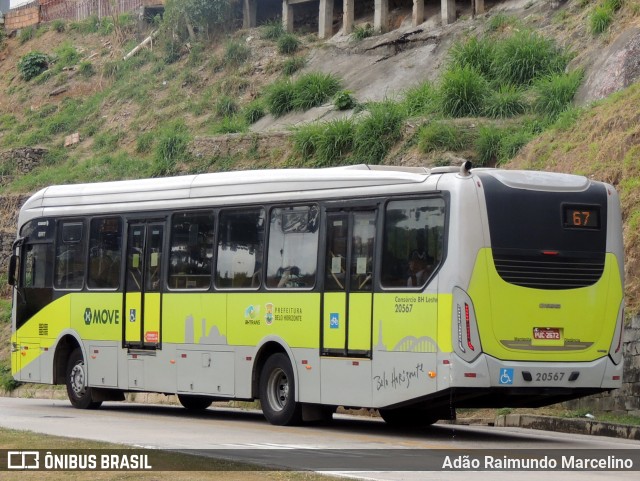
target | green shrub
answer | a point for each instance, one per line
(476, 53)
(254, 111)
(600, 19)
(462, 92)
(66, 55)
(313, 89)
(229, 125)
(59, 25)
(378, 132)
(280, 98)
(32, 65)
(440, 136)
(500, 21)
(226, 106)
(525, 56)
(288, 44)
(507, 101)
(26, 34)
(555, 93)
(488, 144)
(360, 32)
(293, 64)
(512, 142)
(172, 50)
(421, 100)
(6, 379)
(236, 53)
(272, 30)
(306, 139)
(614, 5)
(343, 100)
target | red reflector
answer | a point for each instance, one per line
(135, 356)
(95, 351)
(248, 358)
(183, 356)
(469, 374)
(467, 318)
(446, 361)
(355, 363)
(304, 361)
(616, 378)
(550, 253)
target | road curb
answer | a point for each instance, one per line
(574, 426)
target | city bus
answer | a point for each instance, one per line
(413, 291)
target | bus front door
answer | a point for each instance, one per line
(348, 283)
(142, 296)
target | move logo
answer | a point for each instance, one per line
(101, 316)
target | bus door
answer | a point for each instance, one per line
(143, 285)
(348, 283)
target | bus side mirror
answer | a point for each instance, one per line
(13, 263)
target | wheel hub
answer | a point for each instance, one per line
(78, 379)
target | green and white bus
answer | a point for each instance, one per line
(411, 290)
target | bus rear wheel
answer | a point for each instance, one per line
(277, 392)
(80, 394)
(194, 403)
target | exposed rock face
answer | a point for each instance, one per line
(617, 67)
(21, 161)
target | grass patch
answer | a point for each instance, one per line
(236, 53)
(313, 89)
(171, 147)
(421, 100)
(288, 44)
(440, 136)
(272, 30)
(488, 145)
(507, 101)
(478, 53)
(293, 64)
(254, 111)
(279, 98)
(555, 93)
(360, 32)
(600, 19)
(462, 92)
(226, 106)
(376, 133)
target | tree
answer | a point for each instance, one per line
(191, 18)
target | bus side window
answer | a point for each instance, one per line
(105, 253)
(191, 250)
(70, 258)
(37, 261)
(293, 247)
(413, 242)
(240, 248)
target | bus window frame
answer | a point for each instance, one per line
(58, 238)
(445, 196)
(89, 220)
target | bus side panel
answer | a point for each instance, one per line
(194, 318)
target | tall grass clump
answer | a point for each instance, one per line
(288, 44)
(171, 146)
(600, 18)
(293, 64)
(313, 89)
(376, 133)
(236, 53)
(226, 106)
(511, 143)
(66, 55)
(421, 99)
(360, 32)
(462, 92)
(501, 21)
(440, 136)
(272, 30)
(254, 111)
(525, 56)
(506, 101)
(59, 25)
(280, 98)
(488, 144)
(335, 142)
(306, 139)
(478, 53)
(26, 34)
(554, 93)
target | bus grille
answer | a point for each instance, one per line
(547, 272)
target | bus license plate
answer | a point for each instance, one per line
(547, 333)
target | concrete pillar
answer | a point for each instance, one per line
(348, 16)
(325, 19)
(448, 11)
(287, 16)
(381, 16)
(250, 13)
(418, 12)
(479, 4)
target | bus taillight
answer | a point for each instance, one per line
(468, 322)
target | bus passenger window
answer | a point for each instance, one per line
(191, 250)
(240, 247)
(105, 253)
(413, 242)
(37, 260)
(70, 258)
(293, 247)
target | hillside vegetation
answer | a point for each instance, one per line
(500, 93)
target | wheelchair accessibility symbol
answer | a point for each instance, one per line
(506, 376)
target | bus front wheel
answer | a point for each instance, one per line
(277, 392)
(77, 389)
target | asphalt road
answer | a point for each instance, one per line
(381, 452)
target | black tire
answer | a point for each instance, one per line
(277, 392)
(79, 393)
(194, 403)
(408, 417)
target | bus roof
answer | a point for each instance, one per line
(188, 190)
